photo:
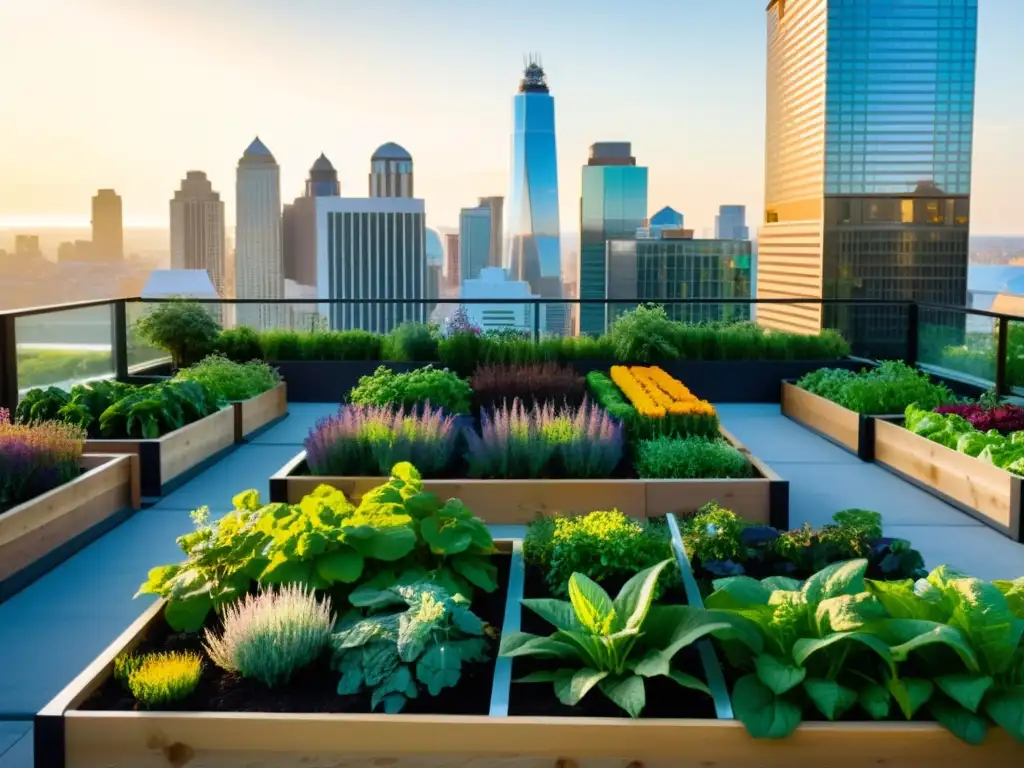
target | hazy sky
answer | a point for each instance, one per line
(131, 94)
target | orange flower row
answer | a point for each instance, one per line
(654, 393)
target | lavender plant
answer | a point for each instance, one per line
(517, 442)
(369, 440)
(35, 458)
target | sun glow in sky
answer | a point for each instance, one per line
(131, 94)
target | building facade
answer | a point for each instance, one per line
(371, 248)
(494, 283)
(731, 223)
(391, 172)
(435, 266)
(534, 249)
(613, 204)
(870, 113)
(107, 226)
(197, 229)
(661, 269)
(666, 218)
(475, 240)
(259, 266)
(298, 223)
(451, 261)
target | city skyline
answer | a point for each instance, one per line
(709, 149)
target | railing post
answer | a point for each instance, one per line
(536, 321)
(1001, 339)
(119, 339)
(913, 319)
(8, 364)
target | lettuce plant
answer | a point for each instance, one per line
(611, 644)
(396, 655)
(956, 432)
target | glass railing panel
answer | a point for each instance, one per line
(1015, 357)
(958, 343)
(62, 348)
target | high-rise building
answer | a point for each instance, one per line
(197, 228)
(391, 172)
(371, 248)
(298, 224)
(870, 112)
(451, 261)
(613, 204)
(259, 267)
(493, 283)
(107, 226)
(657, 269)
(497, 206)
(476, 229)
(666, 218)
(731, 223)
(27, 246)
(435, 265)
(323, 179)
(534, 253)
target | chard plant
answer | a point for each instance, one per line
(612, 645)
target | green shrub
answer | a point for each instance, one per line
(229, 380)
(690, 458)
(272, 635)
(644, 335)
(281, 345)
(340, 345)
(185, 329)
(713, 534)
(411, 343)
(608, 547)
(463, 351)
(240, 344)
(164, 678)
(890, 388)
(441, 388)
(610, 398)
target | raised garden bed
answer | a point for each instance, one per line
(763, 498)
(258, 413)
(39, 534)
(848, 429)
(167, 462)
(986, 492)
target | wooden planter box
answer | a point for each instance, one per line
(38, 535)
(258, 413)
(992, 495)
(763, 498)
(66, 737)
(168, 461)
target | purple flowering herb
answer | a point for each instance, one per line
(368, 440)
(35, 458)
(459, 322)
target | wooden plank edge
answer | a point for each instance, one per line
(501, 685)
(279, 480)
(811, 427)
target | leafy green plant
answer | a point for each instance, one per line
(607, 547)
(186, 329)
(156, 409)
(229, 380)
(889, 388)
(240, 344)
(612, 645)
(644, 335)
(398, 535)
(41, 405)
(397, 655)
(441, 388)
(411, 342)
(956, 432)
(690, 457)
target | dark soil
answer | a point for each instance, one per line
(313, 689)
(665, 698)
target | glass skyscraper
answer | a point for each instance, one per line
(868, 162)
(534, 252)
(613, 204)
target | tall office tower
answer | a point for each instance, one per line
(666, 218)
(870, 112)
(497, 206)
(298, 224)
(323, 179)
(107, 226)
(27, 246)
(534, 244)
(613, 204)
(435, 265)
(197, 228)
(391, 172)
(476, 231)
(371, 248)
(259, 268)
(731, 223)
(451, 261)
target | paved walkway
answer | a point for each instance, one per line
(52, 630)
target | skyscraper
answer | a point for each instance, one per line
(497, 206)
(476, 230)
(259, 268)
(435, 264)
(667, 218)
(298, 223)
(731, 223)
(451, 261)
(107, 226)
(533, 229)
(870, 112)
(197, 228)
(613, 204)
(391, 172)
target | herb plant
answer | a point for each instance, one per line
(612, 645)
(185, 329)
(231, 381)
(411, 342)
(889, 388)
(533, 384)
(35, 458)
(690, 458)
(240, 344)
(435, 386)
(159, 679)
(398, 655)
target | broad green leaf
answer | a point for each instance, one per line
(345, 565)
(921, 634)
(397, 682)
(804, 648)
(688, 681)
(283, 571)
(831, 698)
(674, 627)
(546, 676)
(835, 580)
(249, 500)
(439, 668)
(477, 570)
(1014, 593)
(157, 579)
(414, 634)
(445, 538)
(983, 615)
(570, 690)
(763, 714)
(593, 607)
(965, 690)
(625, 692)
(737, 592)
(782, 582)
(387, 544)
(187, 615)
(393, 703)
(558, 613)
(524, 644)
(847, 613)
(963, 724)
(901, 602)
(875, 700)
(594, 650)
(406, 472)
(467, 621)
(423, 505)
(352, 678)
(472, 649)
(776, 675)
(911, 693)
(634, 599)
(1006, 708)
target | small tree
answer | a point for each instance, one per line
(184, 328)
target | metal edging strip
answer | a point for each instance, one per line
(501, 687)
